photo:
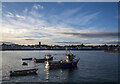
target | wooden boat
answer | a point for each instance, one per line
(23, 72)
(44, 59)
(113, 51)
(69, 62)
(26, 58)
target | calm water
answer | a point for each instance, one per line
(94, 66)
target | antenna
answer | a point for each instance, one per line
(69, 51)
(66, 50)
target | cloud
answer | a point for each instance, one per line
(72, 17)
(32, 26)
(29, 39)
(70, 12)
(73, 42)
(75, 16)
(9, 14)
(113, 42)
(5, 42)
(25, 11)
(93, 35)
(108, 42)
(88, 42)
(18, 16)
(59, 2)
(37, 6)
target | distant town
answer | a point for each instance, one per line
(39, 46)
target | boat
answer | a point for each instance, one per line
(24, 63)
(113, 50)
(23, 72)
(47, 57)
(69, 62)
(26, 58)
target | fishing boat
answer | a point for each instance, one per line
(23, 72)
(26, 58)
(69, 62)
(47, 57)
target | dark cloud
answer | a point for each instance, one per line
(72, 42)
(29, 39)
(94, 35)
(35, 36)
(6, 42)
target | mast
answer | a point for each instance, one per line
(69, 51)
(66, 57)
(66, 50)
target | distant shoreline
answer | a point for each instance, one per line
(48, 49)
(112, 51)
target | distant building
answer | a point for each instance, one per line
(39, 43)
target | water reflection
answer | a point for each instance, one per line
(69, 73)
(61, 70)
(47, 74)
(60, 74)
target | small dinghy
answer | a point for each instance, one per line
(47, 57)
(23, 72)
(24, 63)
(26, 58)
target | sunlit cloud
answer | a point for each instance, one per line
(18, 16)
(37, 6)
(73, 42)
(6, 42)
(113, 42)
(9, 14)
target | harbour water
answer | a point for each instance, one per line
(94, 66)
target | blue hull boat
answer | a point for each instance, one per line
(61, 64)
(69, 62)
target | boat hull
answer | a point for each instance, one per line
(23, 72)
(26, 58)
(24, 63)
(42, 60)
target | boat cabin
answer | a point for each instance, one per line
(48, 56)
(69, 57)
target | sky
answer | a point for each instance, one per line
(60, 23)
